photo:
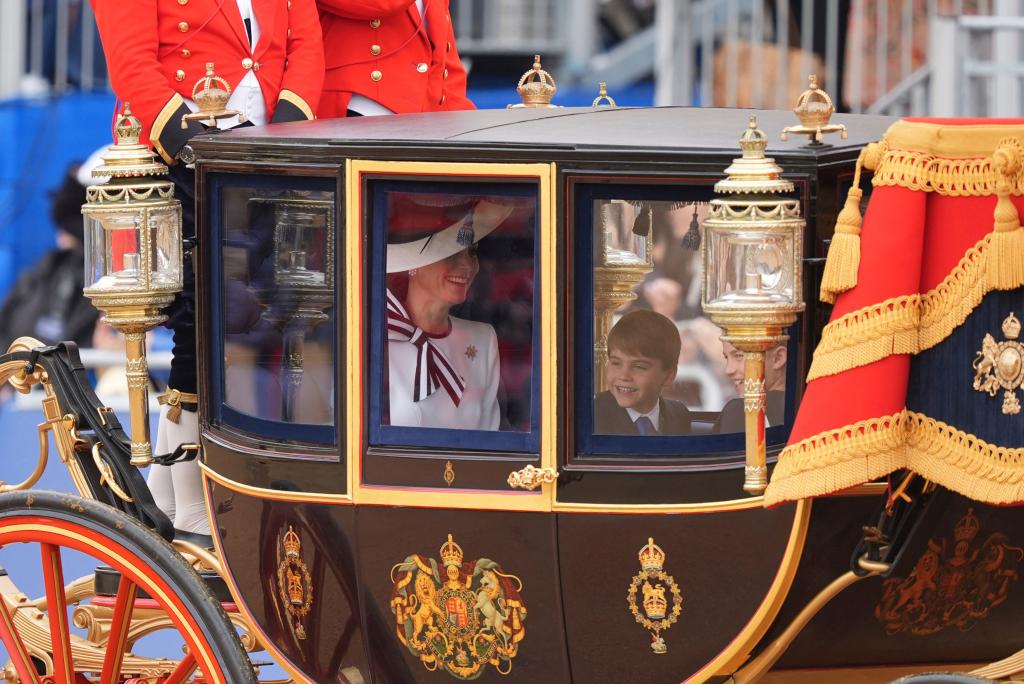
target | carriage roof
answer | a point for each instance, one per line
(570, 131)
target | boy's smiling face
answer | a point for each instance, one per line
(636, 382)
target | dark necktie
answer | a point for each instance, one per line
(644, 426)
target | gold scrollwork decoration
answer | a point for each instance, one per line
(531, 477)
(294, 584)
(449, 473)
(1000, 365)
(652, 581)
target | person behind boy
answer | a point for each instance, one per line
(643, 352)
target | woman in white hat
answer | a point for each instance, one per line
(443, 371)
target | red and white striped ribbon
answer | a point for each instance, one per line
(433, 369)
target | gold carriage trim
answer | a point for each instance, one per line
(842, 458)
(912, 323)
(948, 160)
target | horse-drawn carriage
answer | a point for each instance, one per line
(354, 544)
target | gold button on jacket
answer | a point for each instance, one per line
(375, 23)
(179, 75)
(375, 49)
(247, 63)
(422, 67)
(186, 53)
(376, 75)
(183, 26)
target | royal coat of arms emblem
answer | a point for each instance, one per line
(652, 581)
(951, 585)
(1000, 365)
(459, 616)
(294, 586)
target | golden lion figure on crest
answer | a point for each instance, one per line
(461, 620)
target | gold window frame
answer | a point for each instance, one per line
(355, 321)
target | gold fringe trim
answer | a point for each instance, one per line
(925, 172)
(869, 449)
(955, 161)
(910, 324)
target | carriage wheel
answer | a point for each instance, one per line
(38, 635)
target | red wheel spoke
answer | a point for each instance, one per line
(117, 643)
(16, 649)
(186, 667)
(57, 610)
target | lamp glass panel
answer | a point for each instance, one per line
(165, 248)
(752, 268)
(300, 244)
(618, 242)
(114, 255)
(95, 250)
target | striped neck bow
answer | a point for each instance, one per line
(433, 369)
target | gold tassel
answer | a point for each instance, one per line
(844, 253)
(1006, 253)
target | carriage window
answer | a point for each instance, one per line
(277, 307)
(453, 316)
(658, 367)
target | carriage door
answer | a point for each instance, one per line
(688, 566)
(450, 393)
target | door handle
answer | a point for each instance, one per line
(531, 478)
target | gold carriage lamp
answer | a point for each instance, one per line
(814, 108)
(752, 276)
(536, 88)
(211, 94)
(133, 265)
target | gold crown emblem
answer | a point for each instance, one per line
(292, 543)
(814, 107)
(1011, 327)
(211, 92)
(967, 528)
(537, 86)
(451, 553)
(652, 558)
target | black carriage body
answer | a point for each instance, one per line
(341, 509)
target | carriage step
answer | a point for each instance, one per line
(107, 581)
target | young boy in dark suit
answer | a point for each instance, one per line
(643, 351)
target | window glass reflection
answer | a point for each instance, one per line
(278, 303)
(660, 365)
(459, 311)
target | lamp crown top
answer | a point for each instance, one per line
(128, 128)
(753, 173)
(537, 86)
(128, 157)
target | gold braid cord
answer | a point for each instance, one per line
(839, 459)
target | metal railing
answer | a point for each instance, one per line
(871, 55)
(881, 56)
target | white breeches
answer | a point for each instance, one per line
(178, 489)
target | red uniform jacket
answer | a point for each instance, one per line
(157, 49)
(381, 49)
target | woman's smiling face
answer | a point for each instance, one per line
(448, 280)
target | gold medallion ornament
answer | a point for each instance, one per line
(458, 616)
(1000, 365)
(294, 585)
(652, 581)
